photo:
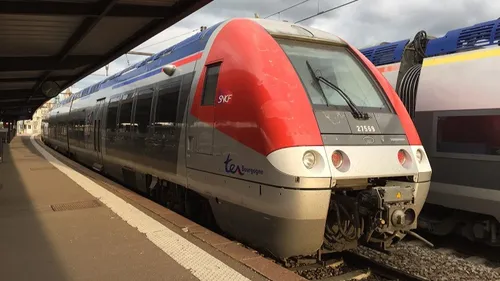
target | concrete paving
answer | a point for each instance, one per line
(52, 229)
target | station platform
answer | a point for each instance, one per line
(62, 221)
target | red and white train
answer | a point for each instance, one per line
(286, 135)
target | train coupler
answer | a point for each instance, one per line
(396, 207)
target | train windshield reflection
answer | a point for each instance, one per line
(338, 66)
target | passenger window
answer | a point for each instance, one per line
(142, 110)
(211, 78)
(125, 114)
(111, 117)
(479, 134)
(82, 130)
(166, 106)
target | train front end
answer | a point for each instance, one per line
(370, 149)
(312, 147)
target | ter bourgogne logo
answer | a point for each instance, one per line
(240, 170)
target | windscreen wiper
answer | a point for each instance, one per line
(358, 114)
(317, 85)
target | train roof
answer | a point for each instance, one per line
(457, 40)
(186, 48)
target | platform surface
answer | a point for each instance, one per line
(53, 228)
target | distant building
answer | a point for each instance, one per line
(34, 126)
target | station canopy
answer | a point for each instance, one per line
(47, 46)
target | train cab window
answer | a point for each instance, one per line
(166, 106)
(125, 116)
(211, 78)
(111, 116)
(477, 134)
(337, 65)
(143, 110)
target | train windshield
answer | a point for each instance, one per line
(338, 66)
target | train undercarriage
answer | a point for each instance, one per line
(377, 216)
(441, 221)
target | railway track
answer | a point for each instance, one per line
(348, 266)
(438, 263)
(460, 246)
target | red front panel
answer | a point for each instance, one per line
(260, 100)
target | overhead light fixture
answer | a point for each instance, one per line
(50, 89)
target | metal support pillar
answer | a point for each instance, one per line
(14, 128)
(2, 140)
(1, 149)
(9, 130)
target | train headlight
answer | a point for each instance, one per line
(420, 155)
(337, 159)
(402, 157)
(309, 159)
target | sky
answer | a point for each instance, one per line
(362, 23)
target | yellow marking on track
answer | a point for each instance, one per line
(353, 275)
(337, 264)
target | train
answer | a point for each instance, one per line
(284, 137)
(450, 85)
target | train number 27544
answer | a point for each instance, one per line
(365, 128)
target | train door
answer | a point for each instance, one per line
(97, 136)
(57, 129)
(200, 139)
(141, 132)
(70, 128)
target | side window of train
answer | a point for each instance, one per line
(472, 134)
(82, 127)
(143, 110)
(111, 116)
(166, 107)
(210, 85)
(125, 116)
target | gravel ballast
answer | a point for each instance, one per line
(432, 264)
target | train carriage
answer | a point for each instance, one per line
(451, 90)
(287, 135)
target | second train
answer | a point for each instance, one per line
(449, 84)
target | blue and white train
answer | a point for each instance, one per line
(450, 85)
